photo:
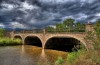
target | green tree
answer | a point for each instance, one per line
(2, 31)
(60, 27)
(69, 23)
(50, 29)
(97, 28)
(79, 27)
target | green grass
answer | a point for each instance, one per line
(59, 61)
(73, 56)
(9, 41)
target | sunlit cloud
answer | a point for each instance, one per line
(98, 14)
(17, 25)
(7, 6)
(26, 5)
(2, 25)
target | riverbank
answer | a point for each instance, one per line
(8, 41)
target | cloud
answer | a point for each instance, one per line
(98, 14)
(2, 25)
(7, 6)
(17, 25)
(26, 5)
(41, 13)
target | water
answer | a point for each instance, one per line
(28, 55)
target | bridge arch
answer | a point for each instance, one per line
(61, 41)
(33, 40)
(17, 37)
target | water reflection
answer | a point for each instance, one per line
(28, 55)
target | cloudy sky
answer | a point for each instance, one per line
(41, 13)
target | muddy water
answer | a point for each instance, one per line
(29, 55)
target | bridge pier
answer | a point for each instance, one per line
(23, 42)
(43, 46)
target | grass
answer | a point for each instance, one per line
(59, 61)
(73, 56)
(82, 57)
(9, 41)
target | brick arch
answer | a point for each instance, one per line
(82, 40)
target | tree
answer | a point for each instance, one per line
(60, 27)
(97, 28)
(69, 23)
(2, 31)
(50, 29)
(79, 27)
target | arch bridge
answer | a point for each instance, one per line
(66, 40)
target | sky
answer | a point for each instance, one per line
(29, 14)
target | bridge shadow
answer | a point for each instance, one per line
(32, 40)
(63, 44)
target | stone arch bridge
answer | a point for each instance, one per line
(43, 37)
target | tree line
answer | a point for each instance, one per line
(68, 25)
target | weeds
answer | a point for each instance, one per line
(73, 56)
(59, 61)
(9, 41)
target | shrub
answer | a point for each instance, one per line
(59, 61)
(9, 41)
(73, 56)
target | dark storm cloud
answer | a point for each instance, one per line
(40, 13)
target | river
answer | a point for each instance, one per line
(29, 55)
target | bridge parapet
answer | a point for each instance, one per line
(45, 32)
(28, 31)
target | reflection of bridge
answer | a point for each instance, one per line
(42, 39)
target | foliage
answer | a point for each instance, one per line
(96, 57)
(91, 57)
(9, 41)
(94, 36)
(73, 56)
(60, 27)
(97, 28)
(69, 23)
(83, 57)
(2, 31)
(50, 29)
(96, 44)
(79, 27)
(59, 61)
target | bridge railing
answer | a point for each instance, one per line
(65, 31)
(28, 31)
(47, 31)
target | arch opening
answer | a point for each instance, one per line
(64, 44)
(17, 37)
(31, 40)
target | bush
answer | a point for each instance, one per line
(73, 56)
(9, 41)
(2, 31)
(59, 61)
